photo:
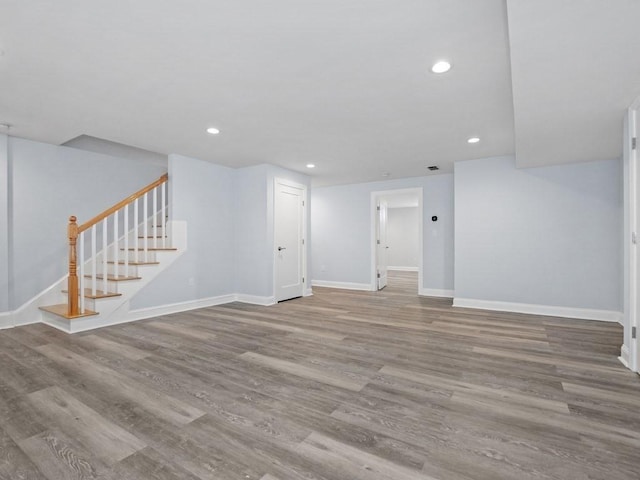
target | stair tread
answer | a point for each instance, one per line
(99, 294)
(113, 278)
(62, 311)
(133, 264)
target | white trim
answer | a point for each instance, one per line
(6, 320)
(91, 323)
(435, 292)
(419, 191)
(547, 310)
(178, 307)
(308, 292)
(343, 285)
(624, 356)
(404, 269)
(633, 314)
(254, 299)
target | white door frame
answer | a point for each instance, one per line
(305, 195)
(634, 227)
(375, 196)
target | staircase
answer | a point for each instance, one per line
(114, 266)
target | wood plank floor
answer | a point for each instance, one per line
(339, 386)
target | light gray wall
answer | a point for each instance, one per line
(48, 184)
(229, 215)
(114, 149)
(341, 230)
(4, 225)
(402, 237)
(253, 255)
(201, 194)
(544, 236)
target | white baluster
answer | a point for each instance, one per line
(126, 238)
(81, 276)
(155, 217)
(94, 259)
(135, 231)
(146, 227)
(115, 244)
(104, 255)
(163, 219)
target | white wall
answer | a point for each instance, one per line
(229, 215)
(402, 237)
(252, 251)
(49, 183)
(546, 236)
(201, 194)
(341, 231)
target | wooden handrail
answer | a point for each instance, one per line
(73, 231)
(121, 204)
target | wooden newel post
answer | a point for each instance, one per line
(72, 232)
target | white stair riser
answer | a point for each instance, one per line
(151, 255)
(153, 243)
(130, 271)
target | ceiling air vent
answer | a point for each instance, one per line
(433, 168)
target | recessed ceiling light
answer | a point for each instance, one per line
(441, 66)
(473, 140)
(310, 165)
(213, 131)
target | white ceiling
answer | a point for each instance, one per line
(344, 84)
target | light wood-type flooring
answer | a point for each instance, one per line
(343, 385)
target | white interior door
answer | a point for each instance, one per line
(382, 247)
(288, 229)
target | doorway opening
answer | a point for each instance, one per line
(396, 239)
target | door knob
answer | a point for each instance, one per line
(281, 248)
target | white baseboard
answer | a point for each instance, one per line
(435, 292)
(254, 299)
(308, 293)
(342, 285)
(547, 310)
(168, 309)
(624, 356)
(6, 320)
(403, 269)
